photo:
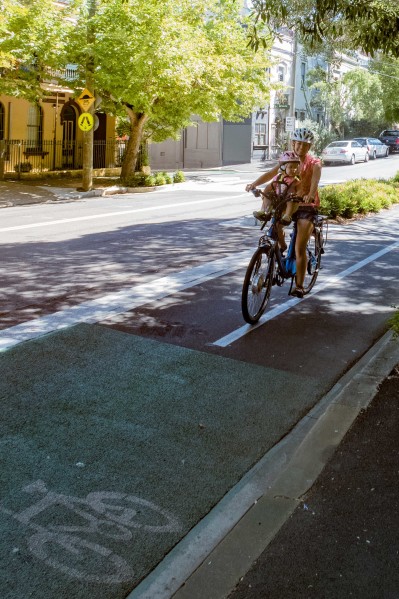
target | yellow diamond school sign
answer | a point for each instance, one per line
(86, 121)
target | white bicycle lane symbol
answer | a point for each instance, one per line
(108, 514)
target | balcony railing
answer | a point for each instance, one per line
(20, 156)
(70, 73)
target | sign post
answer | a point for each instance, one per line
(85, 123)
(86, 101)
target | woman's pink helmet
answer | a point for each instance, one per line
(288, 157)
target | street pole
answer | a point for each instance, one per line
(293, 76)
(88, 136)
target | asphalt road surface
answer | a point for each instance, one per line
(134, 396)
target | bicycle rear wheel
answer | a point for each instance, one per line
(257, 284)
(313, 251)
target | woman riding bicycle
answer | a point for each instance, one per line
(310, 173)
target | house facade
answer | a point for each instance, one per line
(45, 136)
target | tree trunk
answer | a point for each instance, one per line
(137, 122)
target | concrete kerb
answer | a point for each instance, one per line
(212, 558)
(95, 193)
(114, 190)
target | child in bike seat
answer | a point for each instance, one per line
(284, 185)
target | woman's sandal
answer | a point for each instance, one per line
(285, 220)
(298, 291)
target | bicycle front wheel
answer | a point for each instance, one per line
(257, 285)
(313, 252)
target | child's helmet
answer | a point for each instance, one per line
(288, 157)
(303, 134)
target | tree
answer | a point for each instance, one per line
(365, 95)
(156, 62)
(369, 25)
(30, 34)
(330, 93)
(357, 95)
(161, 62)
(387, 70)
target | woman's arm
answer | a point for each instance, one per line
(264, 178)
(316, 174)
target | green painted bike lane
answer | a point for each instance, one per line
(113, 447)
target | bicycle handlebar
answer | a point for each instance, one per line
(258, 192)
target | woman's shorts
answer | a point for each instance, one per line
(305, 213)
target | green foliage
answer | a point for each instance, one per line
(364, 128)
(366, 95)
(156, 62)
(139, 179)
(149, 181)
(179, 177)
(358, 197)
(393, 322)
(175, 58)
(161, 178)
(167, 177)
(122, 126)
(387, 69)
(31, 42)
(330, 93)
(357, 95)
(370, 25)
(135, 180)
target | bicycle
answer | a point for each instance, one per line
(268, 266)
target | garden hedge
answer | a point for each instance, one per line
(358, 197)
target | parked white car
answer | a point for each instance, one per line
(345, 152)
(375, 147)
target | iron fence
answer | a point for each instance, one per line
(21, 157)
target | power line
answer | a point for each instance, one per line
(384, 74)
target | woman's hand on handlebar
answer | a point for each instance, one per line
(250, 187)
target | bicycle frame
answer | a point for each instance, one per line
(268, 266)
(286, 265)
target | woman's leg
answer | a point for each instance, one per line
(281, 237)
(304, 231)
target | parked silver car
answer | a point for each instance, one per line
(344, 152)
(375, 147)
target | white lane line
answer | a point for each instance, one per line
(111, 214)
(334, 280)
(122, 301)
